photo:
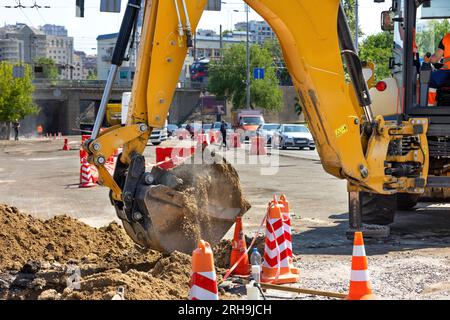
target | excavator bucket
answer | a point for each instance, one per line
(185, 204)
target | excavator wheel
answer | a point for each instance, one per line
(407, 201)
(378, 209)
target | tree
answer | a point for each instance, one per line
(92, 74)
(349, 10)
(428, 40)
(16, 94)
(273, 46)
(227, 78)
(49, 69)
(377, 48)
(227, 33)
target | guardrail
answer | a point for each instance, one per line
(39, 83)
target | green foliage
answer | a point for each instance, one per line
(227, 32)
(298, 106)
(377, 48)
(428, 40)
(273, 46)
(92, 75)
(227, 78)
(349, 10)
(50, 71)
(16, 94)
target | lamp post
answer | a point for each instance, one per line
(247, 81)
(248, 58)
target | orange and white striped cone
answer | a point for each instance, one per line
(86, 178)
(285, 210)
(203, 284)
(360, 288)
(276, 268)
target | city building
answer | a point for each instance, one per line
(54, 30)
(78, 70)
(259, 31)
(88, 63)
(105, 49)
(60, 49)
(32, 40)
(207, 44)
(11, 50)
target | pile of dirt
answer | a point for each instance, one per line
(222, 251)
(37, 258)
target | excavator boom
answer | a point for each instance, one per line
(353, 144)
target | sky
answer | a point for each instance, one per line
(85, 30)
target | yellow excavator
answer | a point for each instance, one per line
(377, 155)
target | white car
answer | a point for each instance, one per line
(158, 136)
(267, 131)
(294, 136)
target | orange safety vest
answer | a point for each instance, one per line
(39, 129)
(415, 48)
(446, 43)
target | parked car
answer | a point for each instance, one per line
(158, 136)
(206, 127)
(171, 128)
(294, 136)
(267, 131)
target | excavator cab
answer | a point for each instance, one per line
(417, 27)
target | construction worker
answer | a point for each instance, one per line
(223, 131)
(16, 125)
(39, 130)
(441, 76)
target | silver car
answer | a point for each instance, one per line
(294, 136)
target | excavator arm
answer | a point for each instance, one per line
(372, 154)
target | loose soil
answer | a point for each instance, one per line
(36, 259)
(205, 188)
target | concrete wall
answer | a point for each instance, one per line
(288, 113)
(183, 104)
(60, 109)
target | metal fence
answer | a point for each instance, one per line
(40, 83)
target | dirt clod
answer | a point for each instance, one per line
(104, 259)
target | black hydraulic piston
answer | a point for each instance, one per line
(126, 29)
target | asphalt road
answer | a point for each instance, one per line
(39, 178)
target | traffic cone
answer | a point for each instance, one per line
(239, 248)
(276, 268)
(258, 146)
(203, 285)
(86, 178)
(235, 141)
(360, 288)
(66, 145)
(285, 210)
(202, 139)
(212, 137)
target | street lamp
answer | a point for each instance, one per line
(247, 82)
